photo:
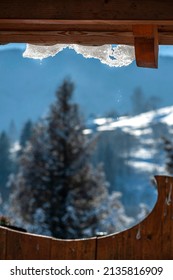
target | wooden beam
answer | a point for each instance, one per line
(98, 9)
(90, 23)
(66, 37)
(92, 32)
(88, 32)
(146, 45)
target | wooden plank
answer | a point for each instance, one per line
(84, 249)
(88, 9)
(3, 232)
(167, 229)
(67, 37)
(93, 32)
(22, 246)
(126, 245)
(165, 38)
(146, 45)
(109, 247)
(151, 239)
(52, 32)
(63, 25)
(82, 37)
(147, 240)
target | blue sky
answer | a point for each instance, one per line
(99, 88)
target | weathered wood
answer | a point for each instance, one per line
(152, 239)
(3, 232)
(23, 246)
(63, 25)
(66, 37)
(146, 45)
(73, 249)
(93, 32)
(167, 229)
(88, 9)
(90, 23)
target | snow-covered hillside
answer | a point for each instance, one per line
(146, 157)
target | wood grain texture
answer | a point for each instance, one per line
(92, 32)
(3, 233)
(73, 249)
(89, 23)
(146, 45)
(66, 37)
(88, 9)
(23, 246)
(151, 239)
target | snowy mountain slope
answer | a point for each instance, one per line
(141, 126)
(146, 158)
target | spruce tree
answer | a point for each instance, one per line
(56, 189)
(26, 133)
(5, 164)
(168, 147)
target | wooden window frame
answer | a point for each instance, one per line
(144, 24)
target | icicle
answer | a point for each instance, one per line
(169, 200)
(138, 235)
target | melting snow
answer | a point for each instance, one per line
(118, 56)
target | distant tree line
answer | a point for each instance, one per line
(141, 104)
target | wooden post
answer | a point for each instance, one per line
(146, 45)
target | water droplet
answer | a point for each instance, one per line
(138, 235)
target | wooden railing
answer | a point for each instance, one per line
(151, 239)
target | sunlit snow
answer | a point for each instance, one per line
(113, 56)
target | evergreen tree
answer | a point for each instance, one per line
(141, 104)
(26, 133)
(138, 101)
(5, 164)
(12, 132)
(168, 147)
(56, 187)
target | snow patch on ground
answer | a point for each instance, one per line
(145, 160)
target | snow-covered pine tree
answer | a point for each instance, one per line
(57, 191)
(168, 147)
(6, 164)
(26, 133)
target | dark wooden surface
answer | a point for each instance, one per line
(3, 233)
(151, 239)
(21, 246)
(146, 45)
(73, 249)
(88, 9)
